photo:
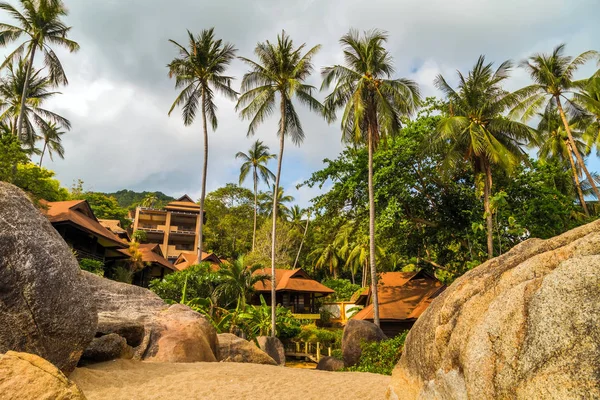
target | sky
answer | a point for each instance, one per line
(119, 92)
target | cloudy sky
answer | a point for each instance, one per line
(119, 91)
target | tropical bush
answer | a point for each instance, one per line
(312, 334)
(344, 289)
(94, 266)
(123, 274)
(380, 357)
(199, 279)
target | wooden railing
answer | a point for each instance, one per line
(310, 351)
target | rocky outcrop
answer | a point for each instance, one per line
(273, 347)
(355, 332)
(46, 307)
(106, 348)
(234, 349)
(330, 364)
(525, 325)
(27, 376)
(155, 330)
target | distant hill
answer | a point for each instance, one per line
(127, 198)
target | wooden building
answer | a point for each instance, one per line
(403, 297)
(187, 259)
(114, 225)
(294, 290)
(156, 266)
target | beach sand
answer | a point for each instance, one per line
(125, 379)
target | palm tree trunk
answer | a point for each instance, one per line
(374, 295)
(577, 183)
(42, 155)
(25, 90)
(302, 241)
(255, 208)
(487, 191)
(204, 171)
(274, 228)
(575, 150)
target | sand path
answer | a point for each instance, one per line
(123, 379)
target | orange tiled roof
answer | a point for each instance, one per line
(403, 295)
(187, 259)
(296, 280)
(151, 253)
(79, 213)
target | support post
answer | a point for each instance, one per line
(318, 351)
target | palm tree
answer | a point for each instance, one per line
(476, 130)
(589, 98)
(52, 141)
(281, 71)
(296, 215)
(149, 200)
(554, 144)
(283, 211)
(327, 255)
(256, 160)
(373, 104)
(553, 77)
(199, 70)
(41, 22)
(31, 111)
(238, 280)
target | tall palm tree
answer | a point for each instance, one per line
(52, 141)
(553, 77)
(31, 111)
(280, 72)
(41, 23)
(589, 98)
(199, 70)
(373, 103)
(296, 214)
(149, 200)
(256, 160)
(283, 211)
(554, 144)
(238, 279)
(476, 130)
(327, 256)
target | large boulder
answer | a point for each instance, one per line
(155, 330)
(356, 332)
(273, 347)
(330, 364)
(106, 348)
(27, 376)
(46, 307)
(235, 349)
(525, 325)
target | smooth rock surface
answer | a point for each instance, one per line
(235, 349)
(25, 376)
(330, 364)
(273, 347)
(525, 325)
(106, 348)
(46, 307)
(165, 333)
(355, 332)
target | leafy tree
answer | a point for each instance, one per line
(280, 70)
(51, 135)
(11, 154)
(41, 23)
(96, 267)
(553, 77)
(238, 279)
(199, 70)
(149, 200)
(373, 104)
(344, 289)
(256, 160)
(288, 239)
(478, 131)
(105, 207)
(200, 282)
(130, 199)
(39, 182)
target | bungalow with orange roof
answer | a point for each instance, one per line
(294, 289)
(156, 266)
(403, 297)
(114, 225)
(76, 223)
(187, 259)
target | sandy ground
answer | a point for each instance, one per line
(124, 379)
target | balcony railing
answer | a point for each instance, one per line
(81, 254)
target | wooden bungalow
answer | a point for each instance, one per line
(114, 225)
(294, 289)
(187, 259)
(403, 297)
(157, 266)
(76, 223)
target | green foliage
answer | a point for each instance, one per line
(129, 199)
(139, 236)
(286, 245)
(328, 337)
(11, 154)
(106, 207)
(200, 279)
(123, 274)
(94, 266)
(39, 182)
(344, 289)
(380, 357)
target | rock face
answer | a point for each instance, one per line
(234, 349)
(273, 347)
(156, 331)
(355, 332)
(46, 307)
(330, 364)
(525, 325)
(27, 376)
(106, 348)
